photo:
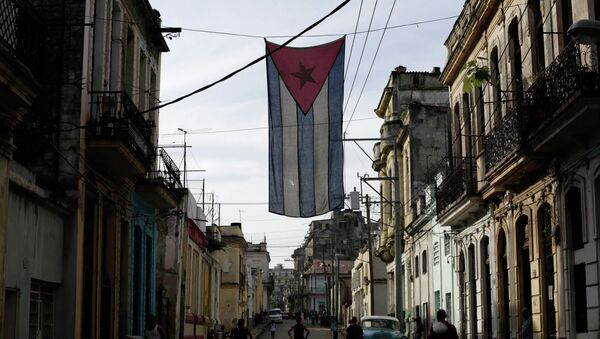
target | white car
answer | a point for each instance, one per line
(276, 315)
(381, 327)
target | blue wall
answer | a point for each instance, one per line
(142, 289)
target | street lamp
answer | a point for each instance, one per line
(585, 31)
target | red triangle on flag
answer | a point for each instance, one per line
(305, 69)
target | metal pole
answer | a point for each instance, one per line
(369, 242)
(398, 240)
(203, 194)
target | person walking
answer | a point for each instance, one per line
(240, 331)
(273, 329)
(153, 330)
(527, 325)
(354, 331)
(442, 329)
(334, 329)
(299, 329)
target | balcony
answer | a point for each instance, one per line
(377, 163)
(389, 131)
(162, 187)
(457, 196)
(560, 105)
(119, 137)
(21, 33)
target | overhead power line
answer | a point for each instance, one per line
(243, 35)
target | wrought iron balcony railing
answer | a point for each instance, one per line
(505, 138)
(21, 32)
(115, 115)
(572, 74)
(166, 170)
(459, 182)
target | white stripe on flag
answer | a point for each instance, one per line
(321, 150)
(291, 183)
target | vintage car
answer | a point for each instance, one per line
(381, 327)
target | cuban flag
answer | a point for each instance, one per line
(306, 91)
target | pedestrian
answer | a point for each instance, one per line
(273, 329)
(418, 328)
(334, 329)
(153, 330)
(240, 331)
(354, 331)
(527, 325)
(221, 332)
(442, 329)
(299, 329)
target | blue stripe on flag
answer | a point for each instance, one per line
(336, 150)
(276, 203)
(306, 171)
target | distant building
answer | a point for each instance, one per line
(284, 283)
(257, 264)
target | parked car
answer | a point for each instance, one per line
(285, 315)
(275, 315)
(381, 327)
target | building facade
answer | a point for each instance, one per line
(414, 109)
(88, 233)
(257, 264)
(519, 192)
(284, 284)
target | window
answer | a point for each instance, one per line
(449, 306)
(480, 123)
(495, 82)
(466, 104)
(447, 243)
(597, 202)
(456, 141)
(537, 27)
(437, 300)
(416, 266)
(581, 324)
(514, 47)
(424, 260)
(573, 217)
(566, 19)
(41, 311)
(436, 253)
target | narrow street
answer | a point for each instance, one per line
(316, 332)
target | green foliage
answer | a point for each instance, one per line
(475, 75)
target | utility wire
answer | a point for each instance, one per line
(353, 39)
(360, 59)
(371, 67)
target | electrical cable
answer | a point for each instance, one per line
(353, 39)
(361, 57)
(371, 67)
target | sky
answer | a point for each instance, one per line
(227, 124)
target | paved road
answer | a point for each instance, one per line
(282, 329)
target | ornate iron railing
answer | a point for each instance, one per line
(167, 170)
(115, 115)
(461, 180)
(21, 32)
(505, 138)
(573, 73)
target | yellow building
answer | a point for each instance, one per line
(233, 294)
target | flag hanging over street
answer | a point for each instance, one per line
(306, 91)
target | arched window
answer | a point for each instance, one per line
(496, 90)
(523, 264)
(486, 287)
(573, 217)
(537, 35)
(472, 293)
(456, 137)
(417, 268)
(462, 294)
(424, 260)
(514, 48)
(503, 284)
(544, 231)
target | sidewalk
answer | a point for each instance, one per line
(258, 330)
